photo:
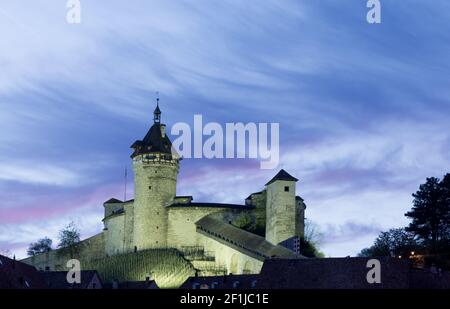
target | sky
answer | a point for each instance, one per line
(363, 108)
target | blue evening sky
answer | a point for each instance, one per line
(363, 109)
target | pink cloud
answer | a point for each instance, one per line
(44, 208)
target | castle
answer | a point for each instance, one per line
(237, 238)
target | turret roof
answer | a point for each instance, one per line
(282, 175)
(112, 201)
(153, 142)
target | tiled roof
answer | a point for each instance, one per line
(332, 273)
(18, 275)
(153, 142)
(328, 273)
(58, 279)
(151, 284)
(222, 282)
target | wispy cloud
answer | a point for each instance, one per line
(362, 108)
(38, 174)
(17, 237)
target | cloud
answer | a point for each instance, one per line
(17, 237)
(362, 108)
(45, 174)
(45, 218)
(348, 231)
(357, 233)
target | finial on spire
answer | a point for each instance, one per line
(157, 112)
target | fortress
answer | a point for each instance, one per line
(209, 238)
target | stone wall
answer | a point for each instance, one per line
(260, 208)
(56, 260)
(111, 207)
(259, 201)
(300, 217)
(115, 234)
(119, 230)
(181, 227)
(129, 224)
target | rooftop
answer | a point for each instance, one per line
(282, 175)
(222, 282)
(18, 275)
(58, 279)
(113, 201)
(133, 285)
(154, 141)
(332, 273)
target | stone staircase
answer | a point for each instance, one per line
(203, 261)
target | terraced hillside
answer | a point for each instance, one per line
(166, 266)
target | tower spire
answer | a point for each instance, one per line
(157, 112)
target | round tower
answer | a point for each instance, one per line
(155, 168)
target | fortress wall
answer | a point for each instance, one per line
(129, 222)
(234, 261)
(181, 226)
(300, 218)
(111, 207)
(119, 231)
(90, 248)
(115, 234)
(259, 201)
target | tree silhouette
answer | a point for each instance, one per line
(69, 236)
(445, 185)
(41, 246)
(310, 241)
(431, 212)
(395, 242)
(69, 240)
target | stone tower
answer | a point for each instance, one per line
(281, 208)
(155, 168)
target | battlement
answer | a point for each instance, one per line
(157, 158)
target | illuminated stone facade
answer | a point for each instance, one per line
(210, 235)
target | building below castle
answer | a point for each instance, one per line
(209, 238)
